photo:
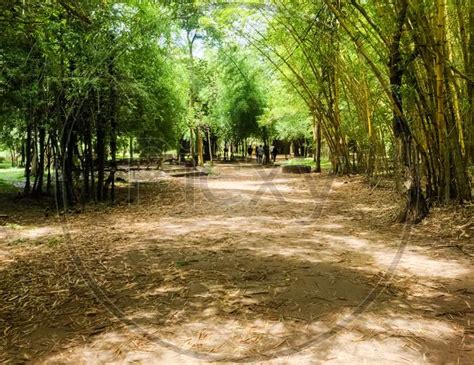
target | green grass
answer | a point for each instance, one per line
(10, 177)
(325, 164)
(5, 164)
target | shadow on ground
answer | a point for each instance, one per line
(234, 282)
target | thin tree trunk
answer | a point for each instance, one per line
(28, 157)
(113, 130)
(470, 87)
(90, 157)
(191, 145)
(209, 144)
(440, 95)
(40, 171)
(68, 144)
(49, 155)
(56, 153)
(88, 161)
(317, 139)
(100, 150)
(199, 147)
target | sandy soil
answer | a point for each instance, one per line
(245, 265)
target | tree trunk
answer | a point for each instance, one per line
(49, 155)
(113, 129)
(199, 147)
(445, 178)
(372, 140)
(56, 153)
(209, 144)
(28, 157)
(191, 145)
(317, 140)
(34, 152)
(38, 187)
(100, 150)
(416, 208)
(192, 94)
(88, 162)
(470, 88)
(68, 145)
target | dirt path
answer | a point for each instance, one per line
(245, 265)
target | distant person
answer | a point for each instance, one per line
(226, 153)
(249, 151)
(259, 154)
(266, 154)
(274, 153)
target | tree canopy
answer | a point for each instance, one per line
(378, 88)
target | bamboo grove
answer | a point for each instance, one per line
(74, 80)
(400, 69)
(382, 88)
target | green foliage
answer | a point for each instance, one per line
(106, 73)
(86, 68)
(241, 102)
(285, 114)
